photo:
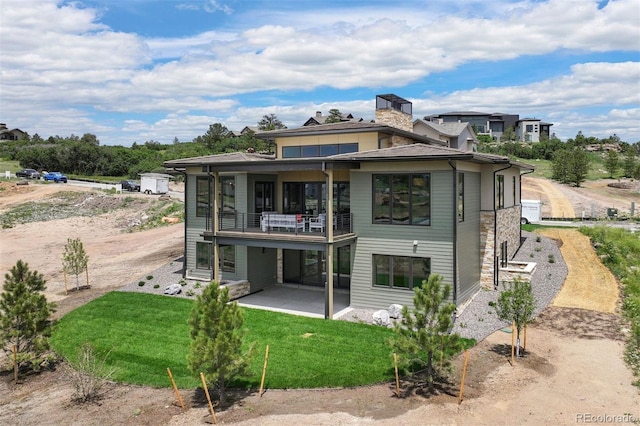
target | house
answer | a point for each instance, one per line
(456, 135)
(321, 119)
(366, 209)
(11, 134)
(494, 124)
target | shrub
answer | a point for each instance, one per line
(88, 373)
(141, 283)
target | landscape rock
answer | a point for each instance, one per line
(395, 311)
(173, 289)
(381, 317)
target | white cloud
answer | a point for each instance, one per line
(60, 59)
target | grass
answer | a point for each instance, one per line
(147, 333)
(544, 168)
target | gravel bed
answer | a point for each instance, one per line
(476, 320)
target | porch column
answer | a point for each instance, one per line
(329, 257)
(216, 248)
(329, 283)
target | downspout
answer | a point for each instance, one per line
(495, 228)
(454, 172)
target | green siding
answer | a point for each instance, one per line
(435, 241)
(469, 258)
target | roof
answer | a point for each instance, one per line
(344, 127)
(448, 128)
(418, 151)
(156, 175)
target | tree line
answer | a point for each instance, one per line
(571, 160)
(85, 156)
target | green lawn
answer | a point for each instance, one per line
(148, 333)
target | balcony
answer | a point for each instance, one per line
(280, 226)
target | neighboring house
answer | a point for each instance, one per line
(401, 206)
(321, 119)
(456, 135)
(494, 124)
(11, 134)
(246, 130)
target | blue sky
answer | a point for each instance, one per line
(139, 70)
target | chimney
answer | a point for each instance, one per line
(318, 114)
(394, 111)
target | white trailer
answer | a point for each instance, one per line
(531, 211)
(154, 183)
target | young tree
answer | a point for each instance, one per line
(216, 333)
(423, 337)
(611, 162)
(578, 166)
(508, 135)
(75, 259)
(629, 162)
(24, 317)
(516, 304)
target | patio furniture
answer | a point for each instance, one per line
(318, 222)
(271, 221)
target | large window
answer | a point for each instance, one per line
(203, 255)
(308, 151)
(400, 271)
(203, 196)
(228, 184)
(460, 197)
(402, 199)
(228, 258)
(500, 191)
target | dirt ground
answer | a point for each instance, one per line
(572, 369)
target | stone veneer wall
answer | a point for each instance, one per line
(506, 229)
(395, 118)
(400, 140)
(487, 248)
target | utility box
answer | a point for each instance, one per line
(531, 211)
(154, 183)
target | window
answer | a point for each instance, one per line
(529, 127)
(228, 258)
(500, 191)
(460, 197)
(203, 255)
(400, 271)
(504, 258)
(402, 199)
(309, 151)
(228, 189)
(203, 200)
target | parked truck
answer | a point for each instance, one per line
(531, 211)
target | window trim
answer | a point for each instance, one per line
(205, 209)
(499, 192)
(390, 262)
(209, 255)
(390, 221)
(460, 197)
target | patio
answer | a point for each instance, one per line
(296, 300)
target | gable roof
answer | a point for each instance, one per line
(447, 128)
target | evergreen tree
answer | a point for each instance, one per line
(629, 162)
(578, 166)
(516, 303)
(216, 333)
(611, 162)
(24, 317)
(270, 122)
(335, 116)
(423, 340)
(75, 259)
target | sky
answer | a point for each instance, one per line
(156, 70)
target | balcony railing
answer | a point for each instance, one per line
(282, 223)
